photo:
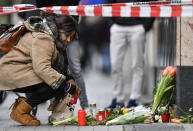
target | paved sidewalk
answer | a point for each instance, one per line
(136, 127)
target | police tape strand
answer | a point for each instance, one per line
(180, 9)
(152, 3)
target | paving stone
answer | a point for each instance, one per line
(128, 128)
(14, 128)
(174, 126)
(43, 128)
(100, 128)
(3, 128)
(86, 128)
(28, 128)
(188, 127)
(158, 127)
(116, 128)
(178, 130)
(57, 128)
(71, 128)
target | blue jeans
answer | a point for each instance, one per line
(73, 54)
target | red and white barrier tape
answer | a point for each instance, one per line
(152, 3)
(123, 11)
(113, 10)
(24, 6)
(17, 8)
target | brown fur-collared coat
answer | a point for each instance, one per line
(30, 63)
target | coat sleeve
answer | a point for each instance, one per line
(42, 52)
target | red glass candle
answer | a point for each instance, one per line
(74, 99)
(108, 112)
(81, 117)
(165, 117)
(100, 115)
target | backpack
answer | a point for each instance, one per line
(4, 27)
(10, 37)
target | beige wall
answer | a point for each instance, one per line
(184, 42)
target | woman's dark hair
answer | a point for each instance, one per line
(66, 23)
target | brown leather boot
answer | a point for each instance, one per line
(21, 113)
(52, 105)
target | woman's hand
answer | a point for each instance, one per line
(78, 89)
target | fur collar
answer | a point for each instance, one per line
(36, 23)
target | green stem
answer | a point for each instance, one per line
(181, 110)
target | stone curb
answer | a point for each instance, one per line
(131, 127)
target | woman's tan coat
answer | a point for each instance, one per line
(30, 63)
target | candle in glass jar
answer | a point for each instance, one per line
(101, 115)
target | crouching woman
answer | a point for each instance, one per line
(37, 64)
